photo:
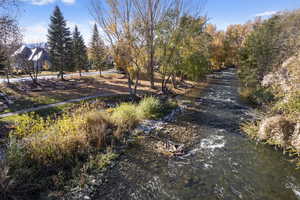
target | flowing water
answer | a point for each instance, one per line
(221, 163)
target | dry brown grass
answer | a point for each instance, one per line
(98, 127)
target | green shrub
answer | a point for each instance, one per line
(288, 107)
(100, 161)
(257, 96)
(125, 115)
(250, 128)
(149, 108)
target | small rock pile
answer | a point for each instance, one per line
(152, 127)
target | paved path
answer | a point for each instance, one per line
(55, 104)
(12, 80)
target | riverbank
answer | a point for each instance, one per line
(216, 160)
(49, 135)
(279, 124)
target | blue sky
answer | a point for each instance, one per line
(36, 13)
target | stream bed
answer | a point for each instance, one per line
(220, 161)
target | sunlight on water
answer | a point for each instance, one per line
(213, 142)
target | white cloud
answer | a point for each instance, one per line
(45, 2)
(68, 1)
(265, 14)
(35, 33)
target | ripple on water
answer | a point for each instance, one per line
(153, 189)
(213, 142)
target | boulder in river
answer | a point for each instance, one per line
(169, 148)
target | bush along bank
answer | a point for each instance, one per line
(270, 79)
(279, 126)
(58, 156)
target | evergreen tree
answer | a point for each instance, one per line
(97, 50)
(60, 42)
(79, 51)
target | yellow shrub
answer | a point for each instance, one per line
(29, 124)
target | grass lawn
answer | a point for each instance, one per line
(54, 91)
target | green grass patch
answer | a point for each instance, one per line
(289, 107)
(125, 115)
(149, 108)
(256, 96)
(250, 128)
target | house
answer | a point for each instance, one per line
(38, 56)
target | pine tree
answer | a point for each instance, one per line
(79, 51)
(60, 43)
(97, 50)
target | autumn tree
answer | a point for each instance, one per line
(217, 50)
(270, 43)
(235, 36)
(122, 32)
(144, 33)
(150, 12)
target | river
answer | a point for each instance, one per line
(220, 162)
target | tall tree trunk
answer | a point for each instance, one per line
(182, 77)
(129, 84)
(164, 84)
(136, 82)
(151, 68)
(151, 42)
(174, 81)
(61, 76)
